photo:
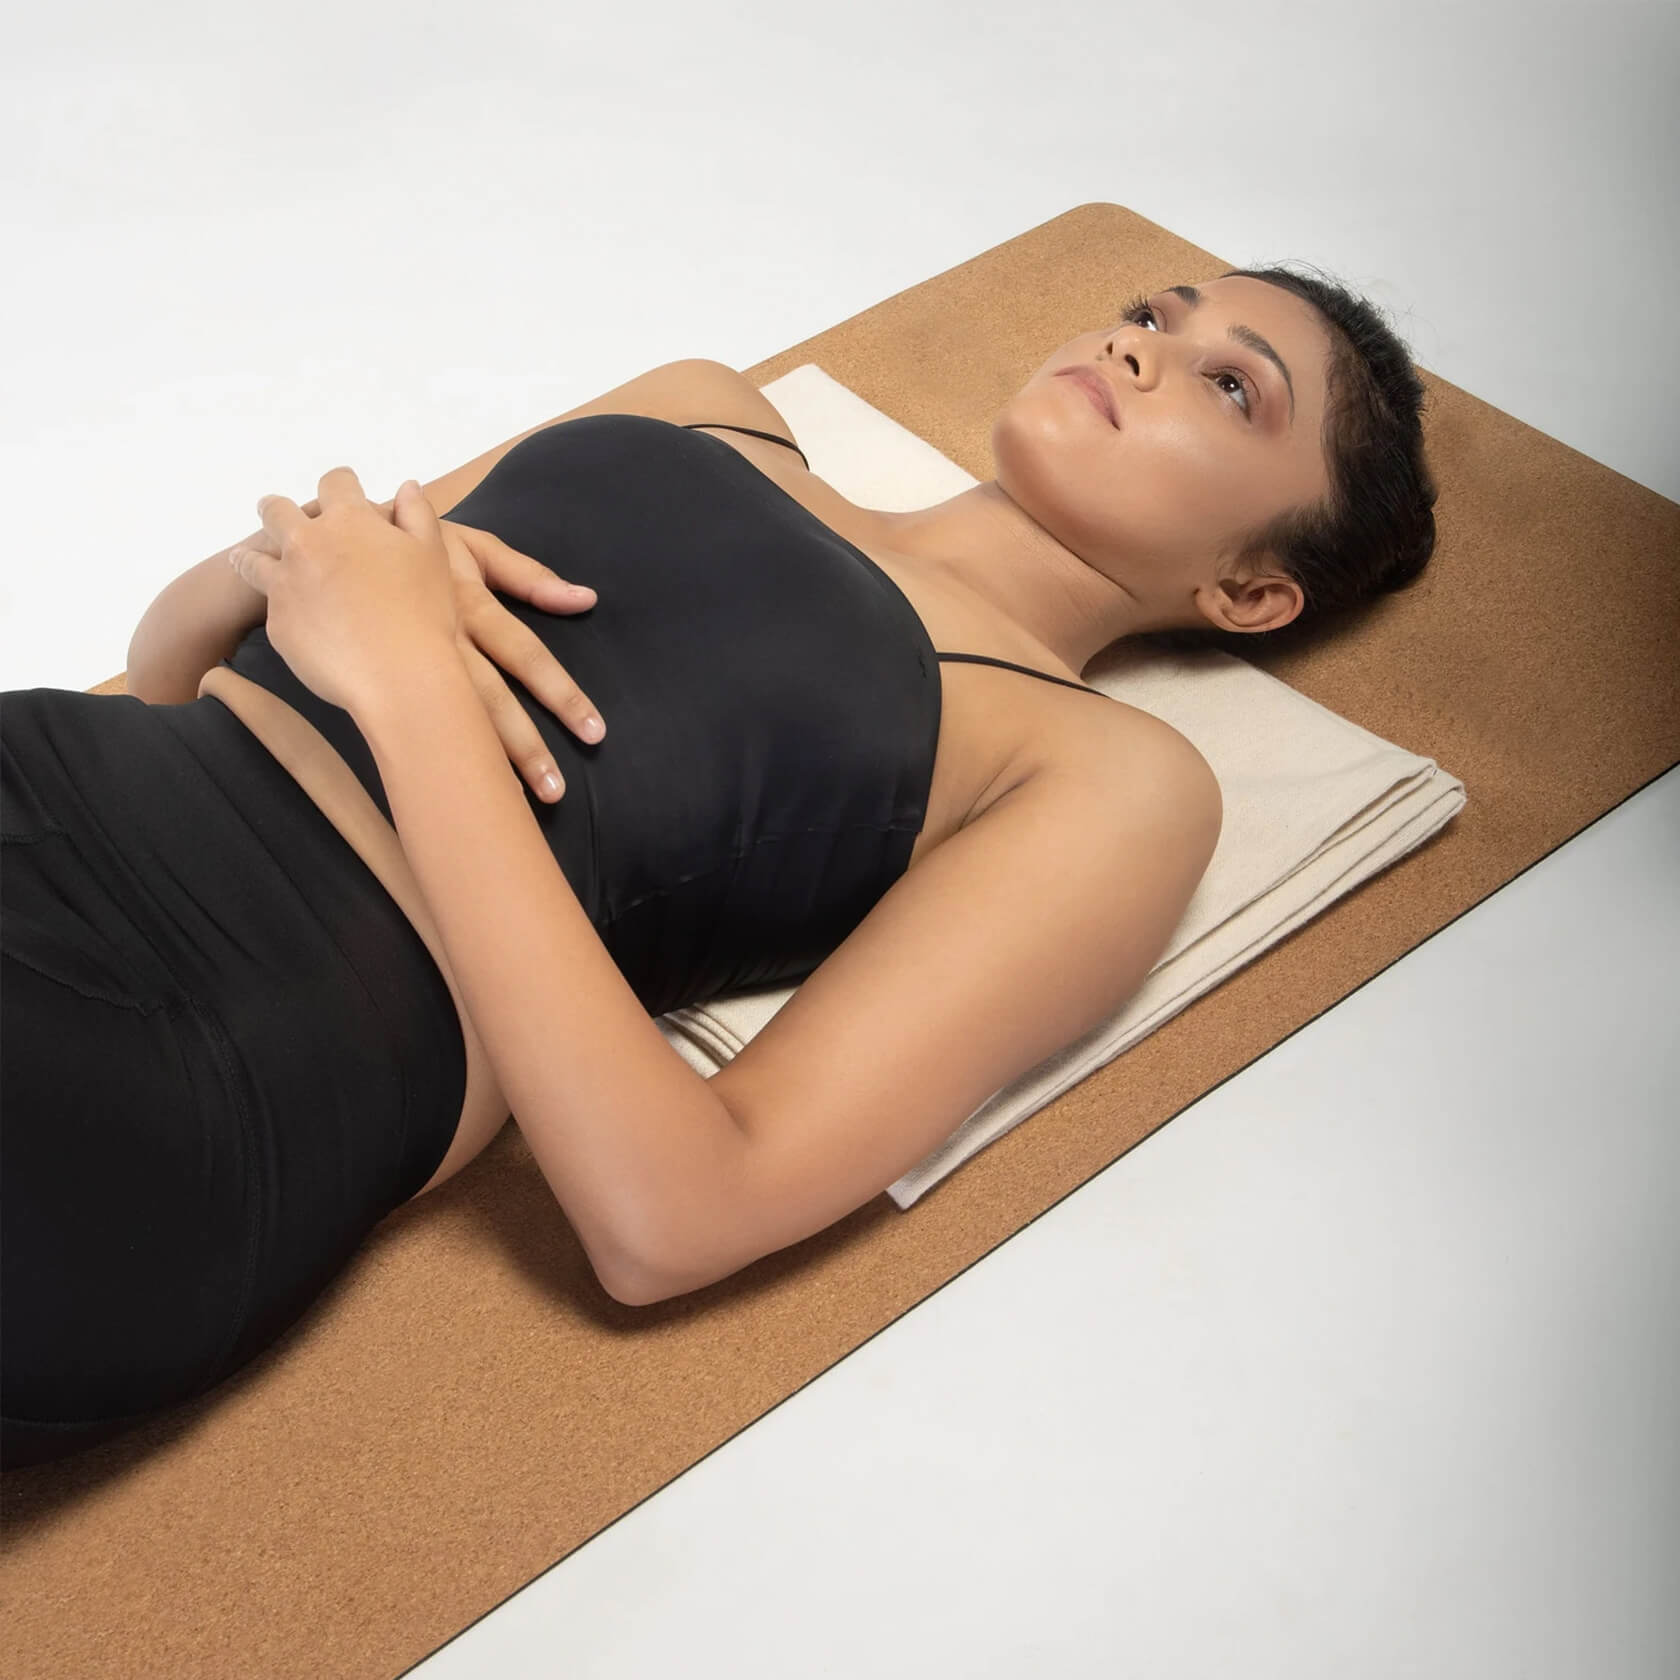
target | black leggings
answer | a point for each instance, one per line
(225, 1056)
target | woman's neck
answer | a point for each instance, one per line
(984, 542)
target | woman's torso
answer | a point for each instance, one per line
(996, 730)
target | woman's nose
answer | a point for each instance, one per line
(1136, 360)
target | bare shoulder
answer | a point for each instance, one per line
(698, 389)
(1121, 759)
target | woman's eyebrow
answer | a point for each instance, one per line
(1248, 336)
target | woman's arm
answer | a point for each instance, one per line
(194, 624)
(626, 1133)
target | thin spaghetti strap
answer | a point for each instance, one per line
(1025, 670)
(769, 437)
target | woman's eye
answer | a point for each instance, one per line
(1138, 311)
(1242, 387)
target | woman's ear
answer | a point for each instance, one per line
(1252, 598)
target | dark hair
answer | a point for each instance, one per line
(1374, 530)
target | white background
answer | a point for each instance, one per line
(1364, 1365)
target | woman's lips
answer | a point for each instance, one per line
(1096, 389)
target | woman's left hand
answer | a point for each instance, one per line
(488, 636)
(358, 605)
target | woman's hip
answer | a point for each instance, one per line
(216, 1081)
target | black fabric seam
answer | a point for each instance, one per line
(92, 994)
(734, 858)
(228, 1062)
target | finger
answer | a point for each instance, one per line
(524, 745)
(253, 565)
(411, 512)
(518, 648)
(339, 485)
(518, 574)
(280, 516)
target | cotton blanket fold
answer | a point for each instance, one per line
(1314, 805)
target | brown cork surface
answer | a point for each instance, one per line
(465, 1406)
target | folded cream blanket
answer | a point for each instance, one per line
(1314, 805)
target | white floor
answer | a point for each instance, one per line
(1366, 1364)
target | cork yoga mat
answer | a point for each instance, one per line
(465, 1406)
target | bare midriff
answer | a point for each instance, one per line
(319, 770)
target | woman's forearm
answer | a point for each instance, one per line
(193, 625)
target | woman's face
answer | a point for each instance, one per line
(1213, 439)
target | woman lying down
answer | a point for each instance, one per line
(409, 823)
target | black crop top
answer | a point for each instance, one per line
(771, 697)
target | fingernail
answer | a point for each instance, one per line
(593, 728)
(551, 788)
